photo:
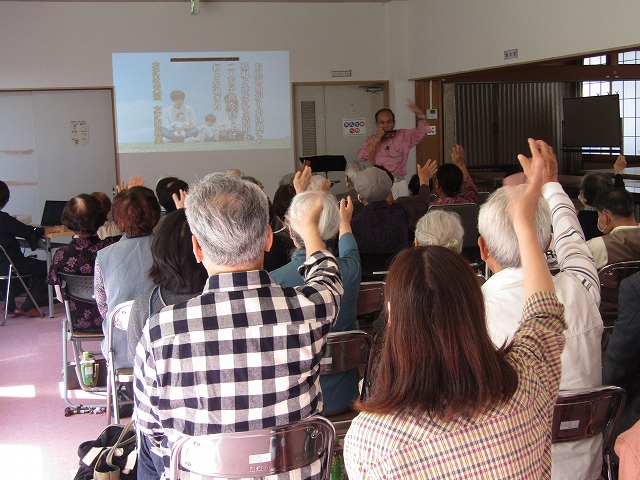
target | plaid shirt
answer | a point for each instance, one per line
(242, 356)
(509, 441)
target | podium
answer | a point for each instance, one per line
(326, 163)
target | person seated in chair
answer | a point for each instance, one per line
(452, 183)
(592, 185)
(121, 268)
(622, 363)
(84, 216)
(245, 354)
(10, 230)
(341, 389)
(621, 239)
(576, 285)
(381, 227)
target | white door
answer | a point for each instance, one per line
(321, 114)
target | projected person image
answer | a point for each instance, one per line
(209, 132)
(230, 101)
(175, 129)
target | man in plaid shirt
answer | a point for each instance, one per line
(245, 354)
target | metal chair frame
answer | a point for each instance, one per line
(79, 288)
(346, 351)
(581, 414)
(610, 277)
(118, 319)
(256, 453)
(14, 273)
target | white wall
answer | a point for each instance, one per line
(51, 44)
(447, 37)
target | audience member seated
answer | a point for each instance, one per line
(452, 183)
(440, 227)
(445, 402)
(350, 173)
(166, 188)
(414, 185)
(178, 277)
(83, 215)
(437, 227)
(10, 228)
(381, 227)
(121, 268)
(576, 286)
(593, 184)
(282, 246)
(621, 239)
(108, 228)
(627, 447)
(318, 182)
(237, 365)
(622, 363)
(175, 273)
(339, 390)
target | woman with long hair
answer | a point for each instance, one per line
(445, 403)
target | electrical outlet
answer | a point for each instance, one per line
(433, 130)
(511, 54)
(432, 114)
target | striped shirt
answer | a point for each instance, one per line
(510, 441)
(242, 356)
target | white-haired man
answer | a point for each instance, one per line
(576, 286)
(245, 354)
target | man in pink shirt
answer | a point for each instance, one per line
(390, 148)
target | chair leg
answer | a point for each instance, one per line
(41, 314)
(6, 298)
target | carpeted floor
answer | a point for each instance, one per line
(37, 442)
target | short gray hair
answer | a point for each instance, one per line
(329, 222)
(352, 169)
(496, 227)
(316, 182)
(229, 217)
(439, 227)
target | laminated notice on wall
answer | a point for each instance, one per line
(353, 127)
(79, 132)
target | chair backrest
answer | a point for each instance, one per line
(482, 197)
(77, 287)
(346, 351)
(469, 215)
(370, 298)
(256, 453)
(610, 278)
(580, 414)
(119, 320)
(375, 262)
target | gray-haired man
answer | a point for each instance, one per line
(245, 354)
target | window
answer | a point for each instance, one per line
(629, 92)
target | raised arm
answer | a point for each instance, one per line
(537, 277)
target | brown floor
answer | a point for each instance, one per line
(37, 442)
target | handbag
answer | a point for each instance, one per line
(112, 456)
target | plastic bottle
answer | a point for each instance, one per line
(87, 367)
(337, 465)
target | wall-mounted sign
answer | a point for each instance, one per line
(354, 127)
(79, 132)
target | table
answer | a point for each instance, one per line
(631, 173)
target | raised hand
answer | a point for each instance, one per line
(302, 179)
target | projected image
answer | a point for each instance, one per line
(168, 102)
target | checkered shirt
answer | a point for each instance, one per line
(512, 441)
(242, 356)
